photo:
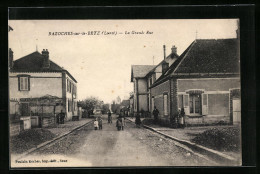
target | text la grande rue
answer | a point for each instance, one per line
(138, 32)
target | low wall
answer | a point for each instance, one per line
(14, 128)
(207, 120)
(48, 121)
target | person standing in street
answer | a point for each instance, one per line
(155, 114)
(96, 124)
(182, 115)
(138, 120)
(100, 123)
(119, 123)
(109, 117)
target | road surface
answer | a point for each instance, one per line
(109, 147)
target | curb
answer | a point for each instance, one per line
(50, 141)
(201, 149)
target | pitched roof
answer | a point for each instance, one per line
(206, 56)
(211, 56)
(34, 63)
(140, 71)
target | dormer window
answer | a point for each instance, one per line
(24, 83)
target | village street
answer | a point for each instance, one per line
(109, 147)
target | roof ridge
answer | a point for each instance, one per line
(192, 44)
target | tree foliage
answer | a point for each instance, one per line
(89, 103)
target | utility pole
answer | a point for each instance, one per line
(153, 60)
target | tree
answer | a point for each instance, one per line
(89, 103)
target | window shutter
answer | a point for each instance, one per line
(186, 104)
(180, 101)
(29, 84)
(19, 87)
(204, 104)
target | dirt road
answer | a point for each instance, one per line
(108, 147)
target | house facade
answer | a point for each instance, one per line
(204, 81)
(140, 82)
(144, 76)
(157, 72)
(41, 87)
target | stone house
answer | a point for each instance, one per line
(41, 88)
(205, 81)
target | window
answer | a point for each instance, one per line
(24, 83)
(165, 104)
(195, 103)
(68, 85)
(151, 81)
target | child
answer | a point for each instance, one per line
(96, 124)
(100, 123)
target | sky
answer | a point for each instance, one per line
(102, 63)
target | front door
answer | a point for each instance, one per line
(195, 104)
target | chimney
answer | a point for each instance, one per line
(164, 52)
(174, 49)
(11, 58)
(46, 60)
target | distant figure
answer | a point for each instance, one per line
(62, 117)
(138, 120)
(109, 117)
(155, 114)
(181, 118)
(100, 123)
(96, 124)
(119, 123)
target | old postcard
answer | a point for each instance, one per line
(120, 93)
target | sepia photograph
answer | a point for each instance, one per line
(124, 93)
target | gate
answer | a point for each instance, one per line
(236, 111)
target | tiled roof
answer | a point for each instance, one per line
(206, 56)
(34, 63)
(211, 56)
(140, 71)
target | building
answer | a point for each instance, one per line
(205, 81)
(159, 70)
(140, 81)
(143, 76)
(40, 89)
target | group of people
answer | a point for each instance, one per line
(120, 122)
(98, 123)
(179, 120)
